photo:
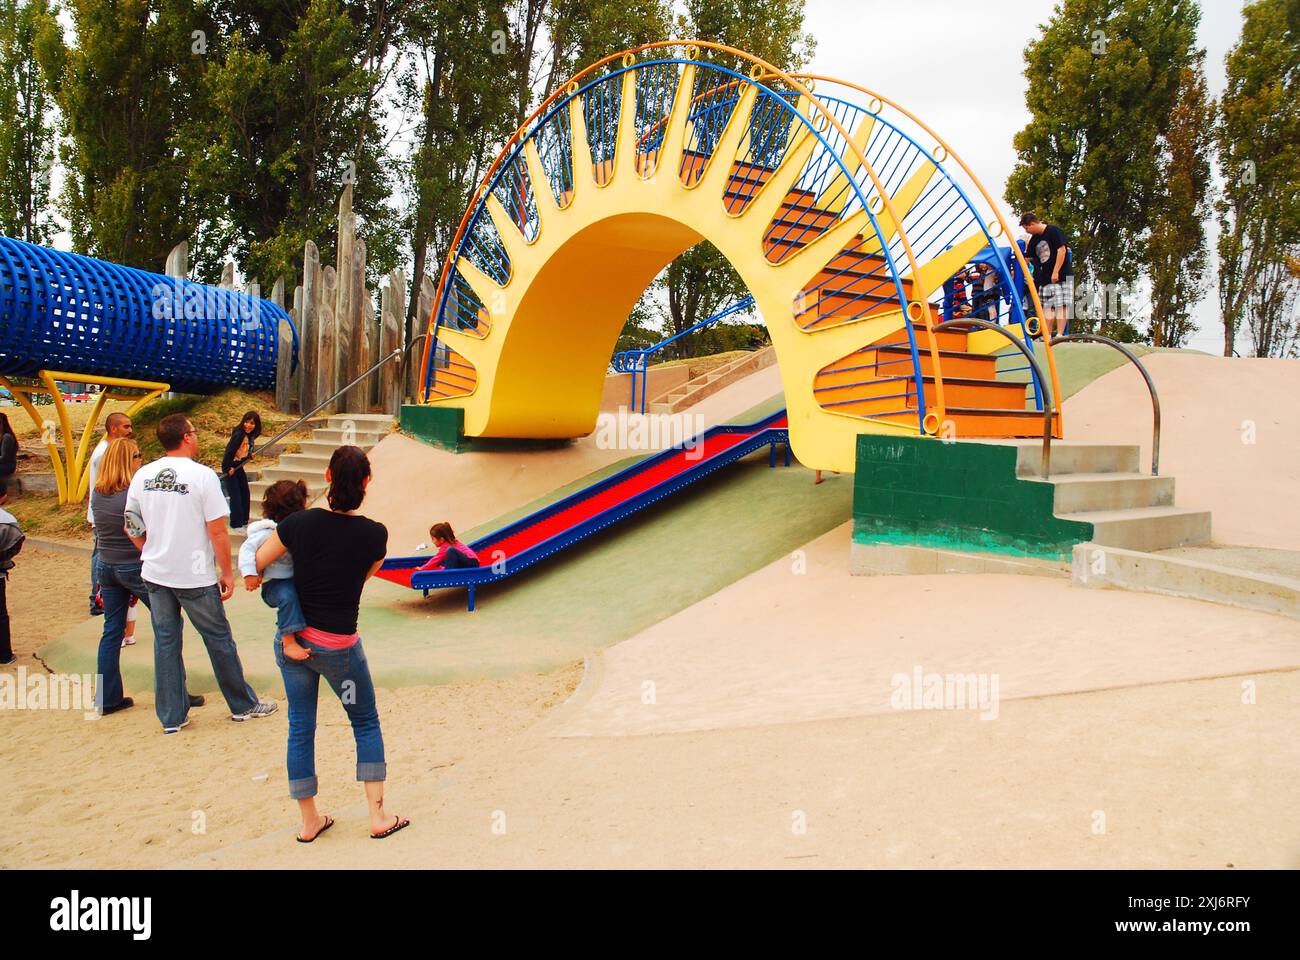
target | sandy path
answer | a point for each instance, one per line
(115, 792)
(777, 647)
(1184, 773)
(1231, 436)
(1174, 775)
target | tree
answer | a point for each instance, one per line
(26, 139)
(583, 32)
(1103, 81)
(465, 110)
(124, 86)
(293, 97)
(1258, 142)
(1177, 254)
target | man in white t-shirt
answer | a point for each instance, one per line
(115, 425)
(176, 514)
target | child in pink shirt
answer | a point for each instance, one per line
(452, 554)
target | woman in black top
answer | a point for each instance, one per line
(8, 448)
(335, 552)
(239, 450)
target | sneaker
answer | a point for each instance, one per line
(123, 704)
(5, 663)
(96, 607)
(128, 641)
(179, 727)
(263, 708)
(196, 700)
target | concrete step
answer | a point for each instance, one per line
(707, 384)
(1096, 565)
(1080, 492)
(362, 436)
(1146, 528)
(1071, 457)
(310, 473)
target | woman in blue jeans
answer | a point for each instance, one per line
(117, 567)
(335, 552)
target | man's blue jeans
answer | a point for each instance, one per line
(203, 606)
(348, 673)
(118, 583)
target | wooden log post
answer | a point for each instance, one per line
(286, 377)
(178, 261)
(342, 303)
(327, 372)
(361, 309)
(308, 317)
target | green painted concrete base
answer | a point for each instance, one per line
(918, 491)
(444, 427)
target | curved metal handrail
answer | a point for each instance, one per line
(1048, 412)
(1151, 386)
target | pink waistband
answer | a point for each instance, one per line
(332, 641)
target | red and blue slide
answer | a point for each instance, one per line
(553, 529)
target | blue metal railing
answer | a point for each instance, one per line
(873, 282)
(637, 362)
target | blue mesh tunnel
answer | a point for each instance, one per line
(65, 312)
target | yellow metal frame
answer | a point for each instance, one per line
(72, 466)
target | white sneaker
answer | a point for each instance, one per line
(128, 641)
(177, 729)
(263, 708)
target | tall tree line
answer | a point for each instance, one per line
(1119, 152)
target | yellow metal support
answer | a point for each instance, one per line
(71, 467)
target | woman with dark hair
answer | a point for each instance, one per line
(335, 552)
(239, 450)
(8, 449)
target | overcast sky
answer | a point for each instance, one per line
(972, 91)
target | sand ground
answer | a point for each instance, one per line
(755, 726)
(514, 772)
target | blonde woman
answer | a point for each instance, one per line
(117, 566)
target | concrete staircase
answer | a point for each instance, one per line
(693, 391)
(362, 430)
(1102, 484)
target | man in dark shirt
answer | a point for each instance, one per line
(1053, 271)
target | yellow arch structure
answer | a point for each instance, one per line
(533, 362)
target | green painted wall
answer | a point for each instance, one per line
(960, 496)
(444, 427)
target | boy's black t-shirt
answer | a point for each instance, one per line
(1043, 249)
(332, 553)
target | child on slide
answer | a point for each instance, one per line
(452, 554)
(282, 498)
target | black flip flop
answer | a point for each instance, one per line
(399, 825)
(329, 822)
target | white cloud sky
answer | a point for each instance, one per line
(960, 67)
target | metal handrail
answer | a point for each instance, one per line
(1151, 387)
(1048, 412)
(637, 362)
(324, 403)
